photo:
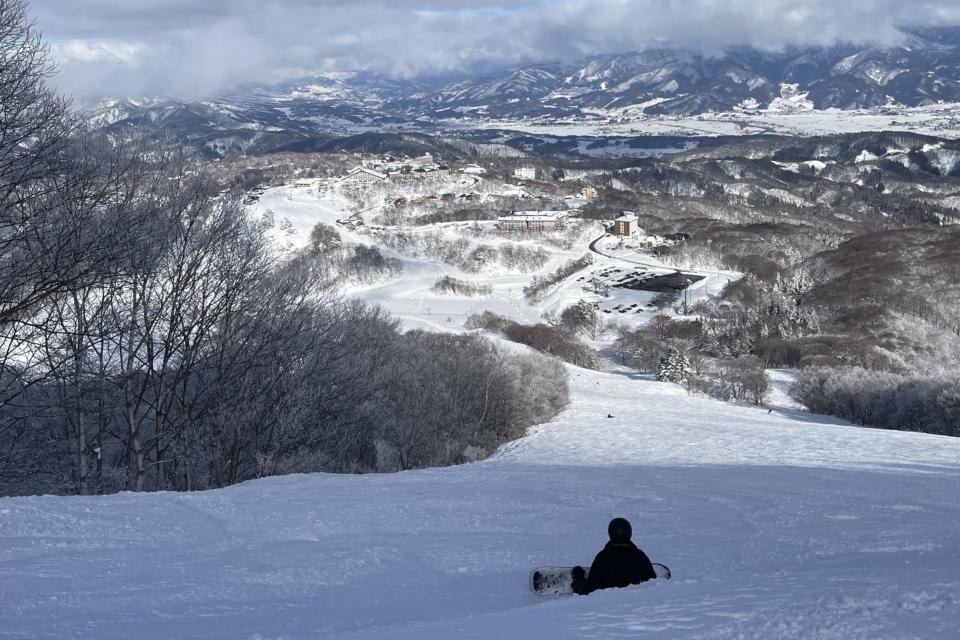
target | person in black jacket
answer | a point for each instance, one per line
(619, 564)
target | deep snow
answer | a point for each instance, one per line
(776, 525)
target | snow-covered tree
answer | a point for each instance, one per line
(580, 318)
(674, 367)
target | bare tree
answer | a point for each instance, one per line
(64, 199)
(34, 131)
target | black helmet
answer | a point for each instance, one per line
(620, 531)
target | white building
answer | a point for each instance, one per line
(474, 169)
(525, 173)
(532, 221)
(362, 175)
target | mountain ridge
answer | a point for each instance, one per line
(923, 70)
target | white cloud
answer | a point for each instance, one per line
(189, 47)
(81, 51)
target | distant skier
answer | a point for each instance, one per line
(619, 564)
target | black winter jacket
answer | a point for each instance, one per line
(619, 565)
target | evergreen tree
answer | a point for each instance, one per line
(674, 367)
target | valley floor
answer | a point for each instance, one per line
(776, 525)
(934, 119)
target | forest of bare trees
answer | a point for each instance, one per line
(151, 338)
(559, 342)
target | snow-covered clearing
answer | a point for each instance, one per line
(781, 383)
(775, 525)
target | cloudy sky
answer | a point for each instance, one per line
(191, 48)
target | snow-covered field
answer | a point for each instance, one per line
(604, 125)
(775, 525)
(937, 119)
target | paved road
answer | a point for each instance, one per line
(658, 267)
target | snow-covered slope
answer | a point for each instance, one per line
(776, 525)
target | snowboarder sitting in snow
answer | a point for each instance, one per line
(620, 564)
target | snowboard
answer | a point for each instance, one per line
(558, 581)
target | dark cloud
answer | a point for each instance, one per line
(191, 48)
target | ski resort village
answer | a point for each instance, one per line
(380, 321)
(454, 243)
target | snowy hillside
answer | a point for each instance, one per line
(775, 525)
(410, 297)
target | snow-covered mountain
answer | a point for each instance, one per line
(263, 118)
(777, 526)
(742, 83)
(923, 70)
(518, 88)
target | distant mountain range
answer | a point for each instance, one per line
(924, 69)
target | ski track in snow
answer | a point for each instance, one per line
(777, 525)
